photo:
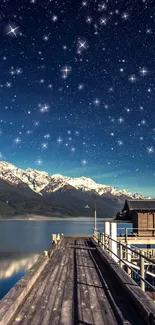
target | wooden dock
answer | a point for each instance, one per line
(77, 284)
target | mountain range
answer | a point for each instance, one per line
(36, 192)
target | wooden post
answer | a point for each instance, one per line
(128, 257)
(113, 234)
(126, 235)
(109, 246)
(107, 233)
(95, 217)
(103, 241)
(54, 238)
(120, 254)
(142, 272)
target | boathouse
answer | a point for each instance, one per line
(141, 213)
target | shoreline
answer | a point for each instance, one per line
(42, 218)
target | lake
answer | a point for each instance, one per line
(22, 241)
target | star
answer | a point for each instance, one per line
(121, 120)
(44, 145)
(143, 71)
(84, 3)
(132, 78)
(84, 162)
(89, 20)
(150, 149)
(44, 108)
(82, 45)
(66, 70)
(143, 122)
(59, 140)
(17, 140)
(96, 101)
(46, 38)
(12, 30)
(125, 16)
(103, 21)
(8, 84)
(102, 7)
(120, 142)
(54, 18)
(47, 136)
(80, 86)
(39, 161)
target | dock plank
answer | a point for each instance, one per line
(85, 312)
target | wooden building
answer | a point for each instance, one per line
(141, 213)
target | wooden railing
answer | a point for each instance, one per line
(124, 255)
(134, 232)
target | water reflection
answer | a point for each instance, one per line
(12, 268)
(11, 263)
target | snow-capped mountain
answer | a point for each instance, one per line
(41, 182)
(30, 191)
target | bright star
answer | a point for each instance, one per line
(150, 150)
(66, 70)
(17, 140)
(12, 30)
(44, 145)
(143, 72)
(44, 108)
(82, 45)
(103, 21)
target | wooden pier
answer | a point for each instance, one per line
(76, 283)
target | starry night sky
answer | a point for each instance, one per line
(77, 89)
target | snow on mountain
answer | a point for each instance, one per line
(41, 182)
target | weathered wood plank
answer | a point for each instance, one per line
(66, 314)
(30, 304)
(55, 296)
(87, 315)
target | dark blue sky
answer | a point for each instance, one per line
(77, 89)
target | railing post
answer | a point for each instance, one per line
(102, 240)
(109, 246)
(142, 271)
(126, 235)
(107, 233)
(113, 235)
(120, 255)
(128, 257)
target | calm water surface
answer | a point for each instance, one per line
(22, 241)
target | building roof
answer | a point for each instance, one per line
(139, 205)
